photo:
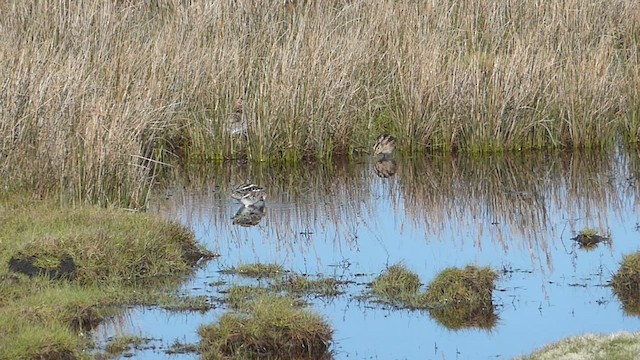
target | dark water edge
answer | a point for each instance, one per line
(515, 213)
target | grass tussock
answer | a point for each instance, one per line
(471, 285)
(98, 96)
(462, 298)
(457, 298)
(626, 283)
(116, 254)
(589, 238)
(617, 346)
(271, 327)
(398, 286)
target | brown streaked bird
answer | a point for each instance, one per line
(237, 120)
(384, 145)
(248, 194)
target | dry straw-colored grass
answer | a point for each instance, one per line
(95, 95)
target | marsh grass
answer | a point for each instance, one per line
(118, 255)
(270, 327)
(121, 344)
(257, 270)
(99, 96)
(616, 346)
(279, 282)
(319, 287)
(469, 286)
(399, 286)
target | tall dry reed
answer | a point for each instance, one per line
(96, 97)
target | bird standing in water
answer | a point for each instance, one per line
(248, 194)
(237, 120)
(385, 144)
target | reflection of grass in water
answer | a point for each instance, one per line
(512, 195)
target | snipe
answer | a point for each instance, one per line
(385, 144)
(248, 194)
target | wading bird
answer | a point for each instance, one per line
(237, 123)
(248, 194)
(384, 145)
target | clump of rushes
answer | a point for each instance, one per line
(271, 327)
(588, 238)
(463, 297)
(116, 256)
(471, 285)
(626, 283)
(399, 286)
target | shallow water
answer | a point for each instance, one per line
(516, 214)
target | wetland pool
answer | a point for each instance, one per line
(516, 214)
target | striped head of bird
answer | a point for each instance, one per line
(385, 144)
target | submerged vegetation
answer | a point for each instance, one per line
(116, 255)
(98, 97)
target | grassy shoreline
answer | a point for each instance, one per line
(98, 97)
(118, 258)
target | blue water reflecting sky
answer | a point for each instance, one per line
(429, 218)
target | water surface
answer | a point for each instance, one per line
(514, 213)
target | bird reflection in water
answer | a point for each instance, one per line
(249, 215)
(252, 198)
(385, 167)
